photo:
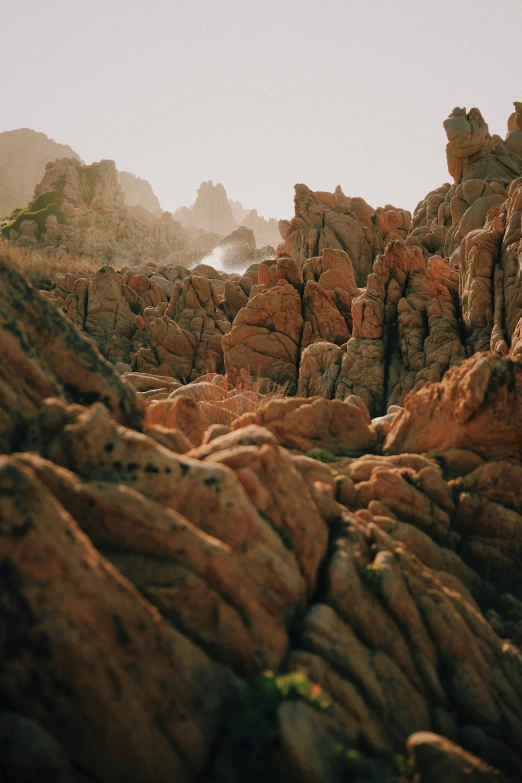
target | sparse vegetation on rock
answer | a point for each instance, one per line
(267, 525)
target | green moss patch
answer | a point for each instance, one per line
(48, 203)
(372, 575)
(322, 455)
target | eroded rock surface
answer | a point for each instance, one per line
(43, 355)
(361, 540)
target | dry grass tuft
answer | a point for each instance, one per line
(248, 396)
(41, 269)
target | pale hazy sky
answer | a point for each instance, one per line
(261, 95)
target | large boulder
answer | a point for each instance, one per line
(477, 406)
(313, 422)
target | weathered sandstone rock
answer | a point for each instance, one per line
(476, 407)
(43, 355)
(307, 423)
(266, 337)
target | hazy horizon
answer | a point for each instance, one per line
(260, 96)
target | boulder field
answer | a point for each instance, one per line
(268, 526)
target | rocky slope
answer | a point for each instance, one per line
(24, 154)
(81, 210)
(279, 537)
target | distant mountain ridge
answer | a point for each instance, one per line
(214, 212)
(24, 154)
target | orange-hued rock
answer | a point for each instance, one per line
(405, 329)
(143, 382)
(183, 338)
(278, 492)
(43, 355)
(181, 413)
(476, 406)
(307, 423)
(385, 630)
(172, 439)
(209, 495)
(473, 154)
(246, 436)
(195, 580)
(509, 310)
(102, 656)
(333, 272)
(489, 518)
(170, 534)
(266, 337)
(323, 321)
(335, 222)
(436, 758)
(477, 256)
(319, 369)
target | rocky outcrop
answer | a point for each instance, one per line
(332, 220)
(182, 338)
(396, 334)
(24, 154)
(418, 315)
(315, 423)
(114, 658)
(210, 211)
(202, 575)
(80, 209)
(472, 153)
(448, 291)
(483, 167)
(266, 336)
(155, 319)
(214, 213)
(475, 406)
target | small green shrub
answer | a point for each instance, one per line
(252, 729)
(353, 762)
(401, 765)
(135, 308)
(48, 203)
(294, 686)
(372, 575)
(322, 455)
(349, 758)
